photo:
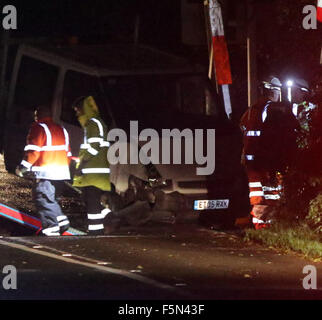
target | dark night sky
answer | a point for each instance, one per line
(112, 20)
(284, 47)
(282, 42)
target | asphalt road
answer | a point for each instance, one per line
(153, 264)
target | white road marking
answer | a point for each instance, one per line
(89, 263)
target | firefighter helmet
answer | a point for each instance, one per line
(272, 83)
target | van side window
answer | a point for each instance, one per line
(35, 85)
(76, 85)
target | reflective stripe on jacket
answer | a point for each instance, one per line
(252, 126)
(47, 150)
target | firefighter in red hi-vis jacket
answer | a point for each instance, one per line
(46, 159)
(253, 153)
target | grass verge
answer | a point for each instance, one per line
(297, 238)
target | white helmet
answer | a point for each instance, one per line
(272, 83)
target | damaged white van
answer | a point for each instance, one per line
(153, 90)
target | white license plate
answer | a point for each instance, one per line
(211, 204)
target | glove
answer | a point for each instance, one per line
(21, 170)
(78, 171)
(79, 166)
(76, 159)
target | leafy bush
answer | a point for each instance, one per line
(314, 217)
(300, 188)
(303, 179)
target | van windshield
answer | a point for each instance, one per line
(153, 100)
(164, 96)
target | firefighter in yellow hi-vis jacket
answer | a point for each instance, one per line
(92, 171)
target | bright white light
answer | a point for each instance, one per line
(289, 94)
(289, 83)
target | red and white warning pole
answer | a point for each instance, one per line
(319, 10)
(220, 52)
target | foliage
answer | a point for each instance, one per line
(299, 189)
(314, 218)
(297, 237)
(303, 179)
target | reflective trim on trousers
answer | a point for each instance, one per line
(95, 221)
(255, 220)
(272, 197)
(256, 194)
(105, 212)
(278, 188)
(95, 227)
(96, 216)
(255, 185)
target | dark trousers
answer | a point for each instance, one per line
(53, 221)
(92, 198)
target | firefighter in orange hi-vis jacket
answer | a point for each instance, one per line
(252, 123)
(46, 158)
